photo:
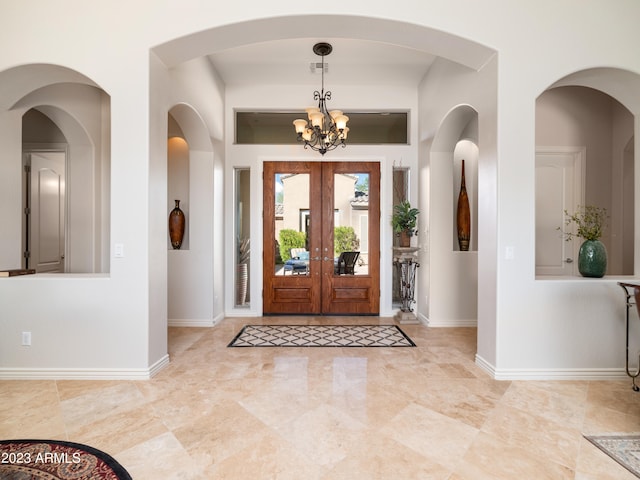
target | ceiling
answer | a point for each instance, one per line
(352, 62)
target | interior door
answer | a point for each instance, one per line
(558, 188)
(45, 223)
(321, 238)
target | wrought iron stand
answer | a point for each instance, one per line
(405, 261)
(629, 304)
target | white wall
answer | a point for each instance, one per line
(547, 329)
(194, 295)
(459, 286)
(82, 325)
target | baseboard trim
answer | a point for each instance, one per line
(452, 323)
(84, 373)
(159, 365)
(195, 322)
(551, 373)
(447, 323)
(191, 322)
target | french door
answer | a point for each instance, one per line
(321, 238)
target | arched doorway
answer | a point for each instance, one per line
(229, 39)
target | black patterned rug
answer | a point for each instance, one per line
(321, 336)
(56, 460)
(624, 449)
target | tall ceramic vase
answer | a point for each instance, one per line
(176, 226)
(464, 216)
(241, 284)
(592, 259)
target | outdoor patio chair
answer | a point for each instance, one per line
(346, 263)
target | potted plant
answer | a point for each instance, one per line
(590, 222)
(404, 221)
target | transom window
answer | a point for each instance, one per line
(365, 128)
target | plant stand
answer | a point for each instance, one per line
(636, 294)
(405, 261)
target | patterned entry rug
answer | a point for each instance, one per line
(56, 460)
(321, 336)
(624, 449)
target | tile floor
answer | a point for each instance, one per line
(330, 413)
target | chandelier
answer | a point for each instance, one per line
(323, 130)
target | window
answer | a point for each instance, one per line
(365, 128)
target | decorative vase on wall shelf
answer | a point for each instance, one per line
(176, 226)
(592, 259)
(464, 215)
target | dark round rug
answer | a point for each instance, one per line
(56, 460)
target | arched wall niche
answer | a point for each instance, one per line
(37, 127)
(622, 85)
(465, 150)
(20, 81)
(79, 109)
(458, 137)
(593, 110)
(190, 295)
(192, 126)
(187, 133)
(449, 268)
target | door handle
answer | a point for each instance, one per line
(326, 259)
(569, 260)
(315, 258)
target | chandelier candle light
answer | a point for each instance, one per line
(324, 130)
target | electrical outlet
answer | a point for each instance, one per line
(26, 339)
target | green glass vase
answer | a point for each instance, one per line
(592, 259)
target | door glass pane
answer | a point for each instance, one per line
(243, 250)
(400, 194)
(351, 223)
(292, 221)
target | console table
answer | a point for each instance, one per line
(631, 290)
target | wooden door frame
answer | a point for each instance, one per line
(321, 291)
